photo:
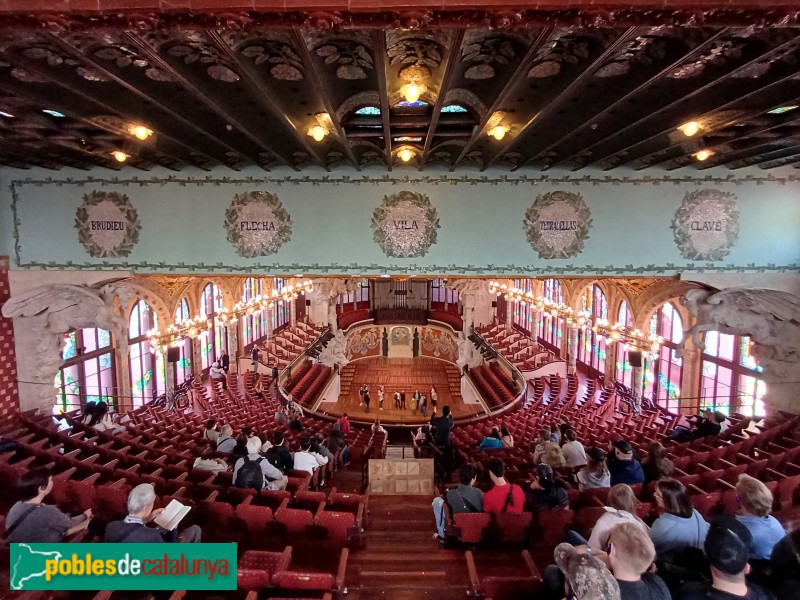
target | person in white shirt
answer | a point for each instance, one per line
(279, 480)
(204, 462)
(573, 450)
(216, 373)
(377, 427)
(307, 460)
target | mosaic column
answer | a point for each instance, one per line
(509, 315)
(124, 397)
(292, 313)
(169, 377)
(572, 348)
(536, 314)
(233, 344)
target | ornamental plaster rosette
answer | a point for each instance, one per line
(561, 241)
(107, 207)
(699, 208)
(257, 207)
(418, 233)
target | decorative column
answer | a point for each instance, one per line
(611, 359)
(292, 313)
(169, 373)
(269, 323)
(509, 315)
(637, 378)
(690, 383)
(123, 391)
(536, 314)
(572, 348)
(233, 344)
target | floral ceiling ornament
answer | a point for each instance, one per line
(257, 224)
(405, 224)
(123, 57)
(706, 225)
(352, 59)
(720, 54)
(284, 63)
(195, 51)
(567, 49)
(417, 55)
(108, 225)
(643, 50)
(486, 54)
(557, 224)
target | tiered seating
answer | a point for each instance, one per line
(493, 391)
(307, 383)
(260, 570)
(520, 350)
(289, 343)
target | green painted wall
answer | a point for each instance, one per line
(480, 215)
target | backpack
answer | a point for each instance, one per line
(249, 475)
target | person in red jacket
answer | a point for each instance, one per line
(504, 496)
(344, 424)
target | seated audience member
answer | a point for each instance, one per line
(573, 451)
(211, 432)
(725, 548)
(336, 442)
(464, 498)
(506, 438)
(322, 448)
(88, 412)
(555, 433)
(217, 373)
(253, 471)
(623, 465)
(280, 415)
(205, 462)
(306, 460)
(240, 449)
(101, 420)
(657, 465)
(492, 441)
(225, 441)
(586, 578)
(621, 509)
(344, 424)
(504, 496)
(680, 525)
(785, 567)
(630, 555)
(295, 424)
(278, 455)
(547, 451)
(710, 424)
(595, 474)
(133, 529)
(31, 521)
(377, 427)
(543, 493)
(755, 506)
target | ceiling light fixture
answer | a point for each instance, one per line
(703, 154)
(406, 154)
(318, 132)
(140, 132)
(691, 128)
(498, 132)
(412, 91)
(119, 156)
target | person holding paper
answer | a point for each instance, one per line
(133, 529)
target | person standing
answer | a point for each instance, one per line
(381, 393)
(366, 398)
(361, 391)
(434, 398)
(254, 357)
(397, 400)
(423, 405)
(225, 362)
(275, 372)
(403, 399)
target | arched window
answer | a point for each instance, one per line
(147, 368)
(183, 368)
(663, 375)
(522, 310)
(254, 326)
(732, 378)
(551, 327)
(442, 297)
(591, 345)
(215, 343)
(454, 108)
(87, 373)
(623, 372)
(280, 312)
(369, 111)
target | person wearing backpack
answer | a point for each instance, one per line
(255, 472)
(278, 455)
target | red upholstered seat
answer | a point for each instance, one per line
(554, 524)
(471, 526)
(257, 569)
(308, 500)
(292, 580)
(514, 527)
(339, 526)
(294, 519)
(255, 519)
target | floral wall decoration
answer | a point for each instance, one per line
(363, 342)
(557, 224)
(439, 344)
(257, 224)
(706, 225)
(405, 224)
(108, 224)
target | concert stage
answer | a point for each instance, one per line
(397, 374)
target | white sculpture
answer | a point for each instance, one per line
(772, 320)
(335, 353)
(46, 314)
(327, 288)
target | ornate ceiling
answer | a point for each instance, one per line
(236, 90)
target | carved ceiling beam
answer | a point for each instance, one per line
(264, 96)
(617, 104)
(157, 60)
(500, 100)
(77, 160)
(679, 105)
(174, 146)
(381, 65)
(755, 146)
(311, 67)
(555, 103)
(450, 68)
(770, 160)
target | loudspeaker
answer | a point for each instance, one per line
(308, 302)
(173, 355)
(635, 359)
(494, 303)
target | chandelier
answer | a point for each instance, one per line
(633, 339)
(198, 326)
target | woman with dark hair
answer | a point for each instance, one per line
(573, 451)
(240, 449)
(31, 521)
(657, 465)
(101, 420)
(596, 473)
(211, 432)
(680, 525)
(506, 438)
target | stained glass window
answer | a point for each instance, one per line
(551, 327)
(253, 325)
(623, 371)
(147, 368)
(88, 372)
(454, 108)
(592, 346)
(183, 368)
(406, 138)
(214, 341)
(663, 374)
(731, 378)
(415, 104)
(522, 310)
(369, 111)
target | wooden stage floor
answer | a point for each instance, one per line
(397, 374)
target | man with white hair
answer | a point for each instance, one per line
(133, 529)
(255, 472)
(226, 442)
